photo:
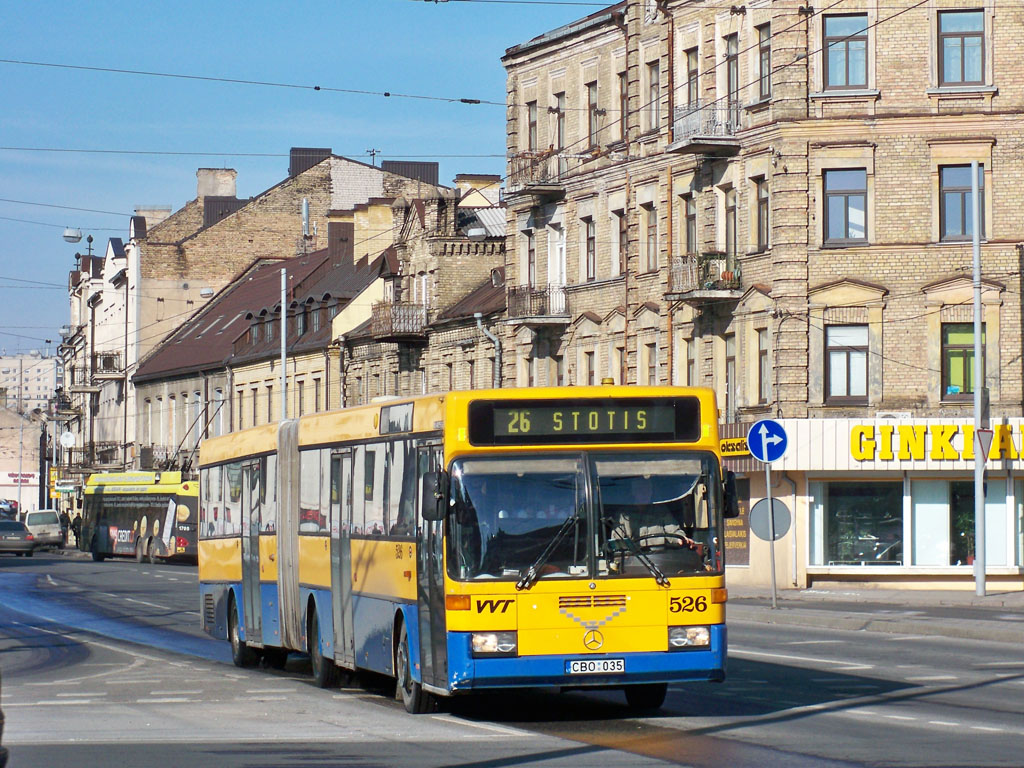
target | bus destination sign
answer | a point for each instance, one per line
(622, 420)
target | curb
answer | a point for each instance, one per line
(959, 629)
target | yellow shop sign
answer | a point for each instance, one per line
(936, 442)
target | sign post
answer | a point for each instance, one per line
(767, 442)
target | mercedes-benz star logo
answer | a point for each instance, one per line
(593, 640)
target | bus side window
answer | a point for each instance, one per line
(374, 489)
(358, 521)
(309, 492)
(268, 513)
(403, 488)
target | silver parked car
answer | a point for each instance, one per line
(44, 524)
(16, 538)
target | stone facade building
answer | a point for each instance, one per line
(774, 200)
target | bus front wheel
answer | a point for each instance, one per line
(646, 695)
(241, 654)
(416, 700)
(140, 551)
(98, 556)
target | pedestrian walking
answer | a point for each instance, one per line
(76, 527)
(65, 524)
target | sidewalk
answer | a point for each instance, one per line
(999, 616)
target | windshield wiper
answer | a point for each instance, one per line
(533, 572)
(634, 549)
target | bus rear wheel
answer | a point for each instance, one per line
(646, 695)
(241, 654)
(325, 674)
(155, 550)
(140, 551)
(416, 700)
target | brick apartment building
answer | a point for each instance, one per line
(775, 201)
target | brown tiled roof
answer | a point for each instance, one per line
(205, 340)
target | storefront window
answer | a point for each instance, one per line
(864, 523)
(961, 523)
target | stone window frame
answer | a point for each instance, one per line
(846, 399)
(816, 42)
(987, 85)
(846, 302)
(840, 156)
(961, 151)
(652, 110)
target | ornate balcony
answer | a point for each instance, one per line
(706, 128)
(528, 305)
(702, 278)
(398, 321)
(542, 173)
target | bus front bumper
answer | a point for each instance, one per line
(466, 673)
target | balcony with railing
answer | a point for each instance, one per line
(81, 382)
(535, 172)
(706, 128)
(704, 277)
(107, 365)
(398, 321)
(530, 305)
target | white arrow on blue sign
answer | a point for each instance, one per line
(767, 440)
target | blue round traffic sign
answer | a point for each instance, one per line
(767, 440)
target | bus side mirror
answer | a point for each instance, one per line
(434, 493)
(732, 503)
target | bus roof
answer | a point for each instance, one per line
(137, 482)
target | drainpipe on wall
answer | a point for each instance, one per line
(496, 370)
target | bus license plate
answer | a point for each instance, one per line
(595, 666)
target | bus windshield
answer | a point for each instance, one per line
(645, 514)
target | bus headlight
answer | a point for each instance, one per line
(494, 643)
(688, 637)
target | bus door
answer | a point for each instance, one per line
(430, 577)
(251, 553)
(341, 556)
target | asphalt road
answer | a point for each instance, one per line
(104, 665)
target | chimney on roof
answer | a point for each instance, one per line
(303, 158)
(341, 240)
(421, 171)
(215, 182)
(152, 215)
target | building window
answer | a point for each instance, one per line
(623, 241)
(846, 206)
(764, 60)
(300, 397)
(690, 224)
(961, 47)
(531, 260)
(730, 377)
(471, 373)
(692, 78)
(651, 228)
(732, 74)
(956, 211)
(531, 126)
(559, 120)
(730, 222)
(764, 369)
(846, 51)
(847, 371)
(652, 363)
(255, 406)
(590, 368)
(450, 369)
(592, 114)
(316, 395)
(863, 523)
(691, 362)
(269, 331)
(620, 363)
(623, 103)
(958, 360)
(239, 399)
(763, 238)
(315, 319)
(653, 96)
(590, 229)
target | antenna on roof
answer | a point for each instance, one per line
(373, 156)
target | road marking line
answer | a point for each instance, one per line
(814, 642)
(82, 694)
(928, 678)
(945, 723)
(166, 700)
(986, 728)
(846, 665)
(175, 693)
(172, 578)
(898, 717)
(49, 578)
(482, 726)
(144, 681)
(268, 690)
(1000, 664)
(49, 703)
(151, 605)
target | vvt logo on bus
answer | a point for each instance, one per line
(495, 606)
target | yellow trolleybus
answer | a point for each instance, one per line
(568, 537)
(151, 515)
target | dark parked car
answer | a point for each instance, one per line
(15, 537)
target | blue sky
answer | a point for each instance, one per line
(447, 49)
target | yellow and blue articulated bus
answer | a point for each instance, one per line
(478, 540)
(149, 515)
